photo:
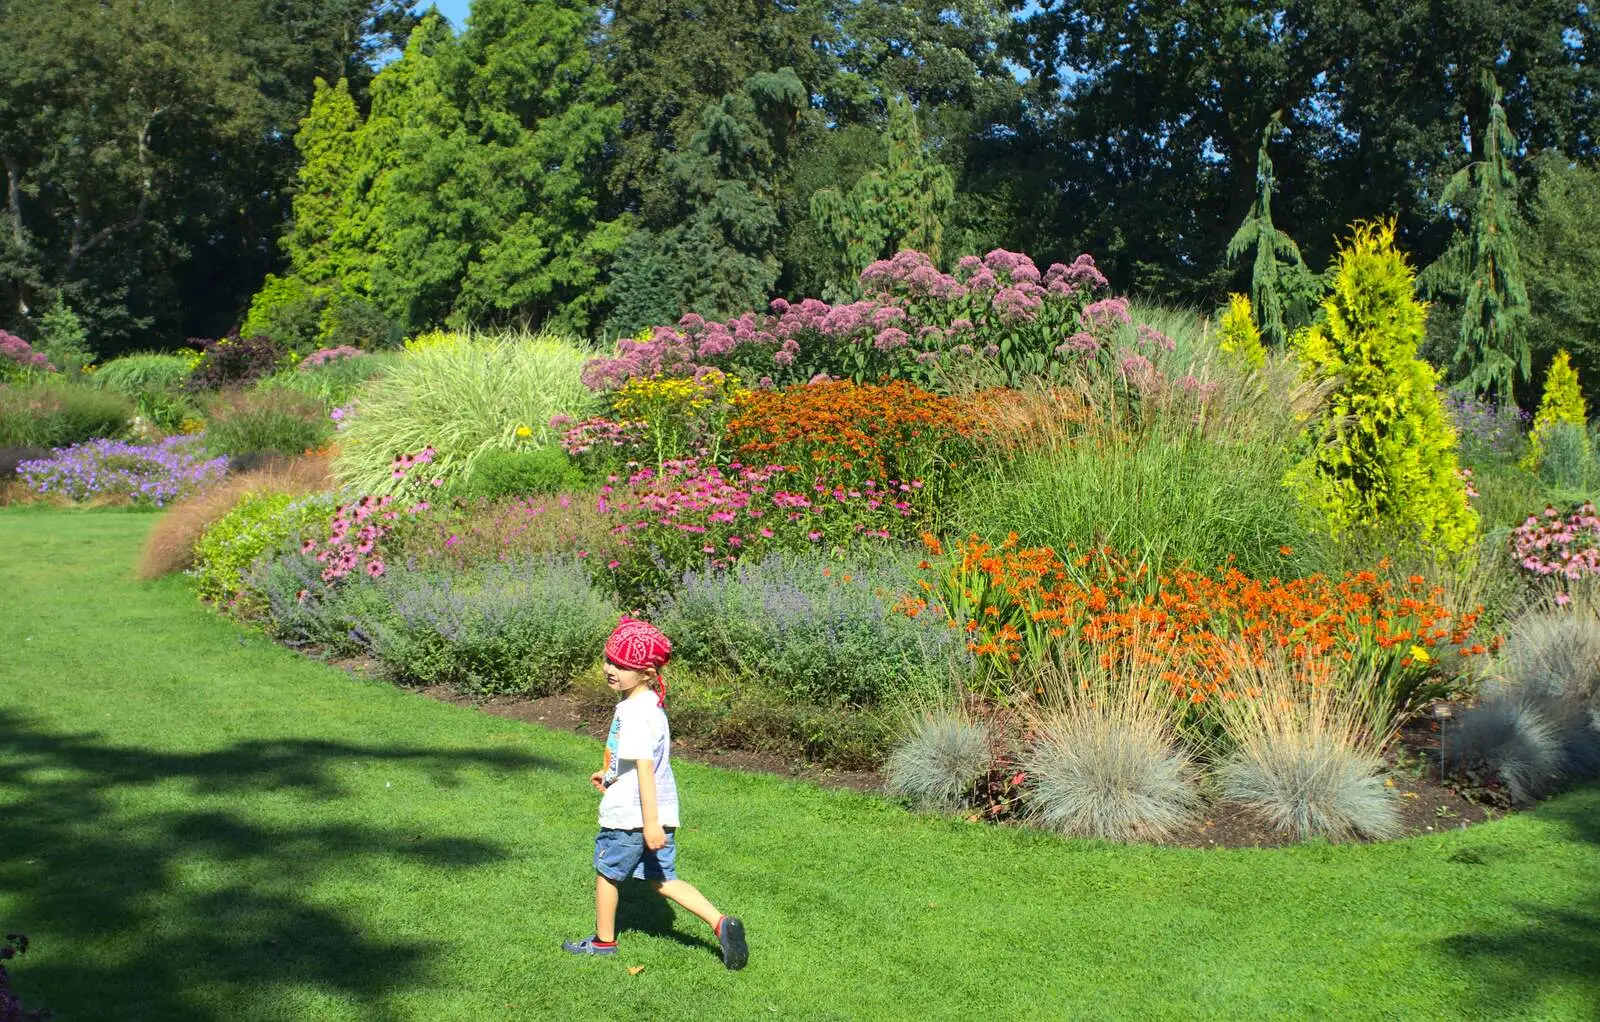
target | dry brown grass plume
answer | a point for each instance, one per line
(170, 545)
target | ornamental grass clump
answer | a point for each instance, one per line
(334, 380)
(1383, 455)
(151, 475)
(939, 758)
(1104, 759)
(142, 373)
(267, 422)
(1303, 750)
(169, 546)
(461, 399)
(58, 414)
(1537, 726)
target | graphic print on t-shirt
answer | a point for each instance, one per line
(611, 750)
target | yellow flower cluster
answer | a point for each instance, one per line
(643, 395)
(434, 339)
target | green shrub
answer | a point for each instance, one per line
(63, 339)
(1561, 405)
(59, 414)
(1566, 463)
(257, 524)
(746, 716)
(462, 400)
(1171, 500)
(1238, 334)
(1384, 455)
(939, 760)
(154, 383)
(520, 627)
(333, 383)
(289, 311)
(535, 472)
(274, 421)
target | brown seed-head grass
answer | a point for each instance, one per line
(170, 545)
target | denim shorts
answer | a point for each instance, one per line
(620, 854)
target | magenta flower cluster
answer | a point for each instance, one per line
(17, 355)
(596, 435)
(358, 529)
(912, 318)
(1559, 547)
(322, 356)
(147, 474)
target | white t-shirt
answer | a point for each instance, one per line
(638, 731)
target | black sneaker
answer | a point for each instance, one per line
(735, 952)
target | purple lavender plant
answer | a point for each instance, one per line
(1485, 429)
(816, 628)
(153, 475)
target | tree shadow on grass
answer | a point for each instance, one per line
(204, 913)
(1553, 947)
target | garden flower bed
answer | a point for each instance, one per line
(808, 499)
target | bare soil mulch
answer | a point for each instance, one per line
(1427, 805)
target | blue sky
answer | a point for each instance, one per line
(455, 10)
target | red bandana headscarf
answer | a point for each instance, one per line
(640, 644)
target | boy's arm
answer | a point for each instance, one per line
(655, 836)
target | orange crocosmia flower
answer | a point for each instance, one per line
(1286, 551)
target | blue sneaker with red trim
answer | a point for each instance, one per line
(589, 946)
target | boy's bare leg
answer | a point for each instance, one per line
(605, 908)
(686, 895)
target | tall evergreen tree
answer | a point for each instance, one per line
(671, 59)
(478, 171)
(147, 156)
(1282, 288)
(326, 142)
(1482, 266)
(718, 258)
(902, 204)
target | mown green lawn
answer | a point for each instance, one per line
(198, 824)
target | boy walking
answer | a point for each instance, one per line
(639, 810)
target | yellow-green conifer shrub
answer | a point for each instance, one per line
(1562, 402)
(1383, 454)
(1239, 333)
